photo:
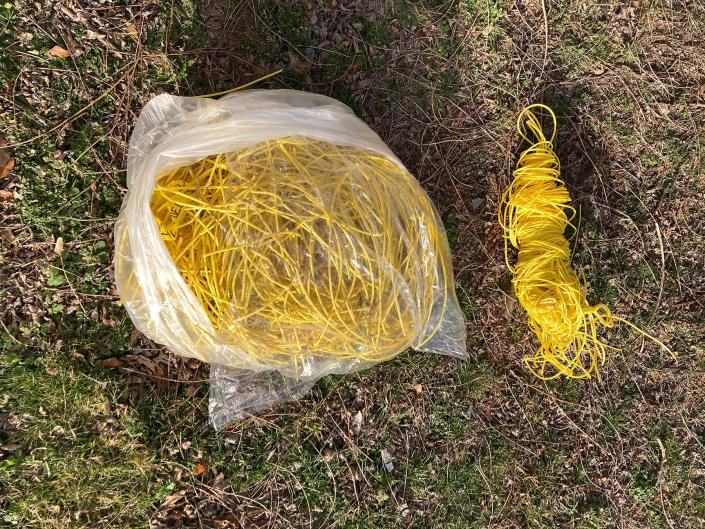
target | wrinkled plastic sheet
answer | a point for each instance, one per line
(238, 393)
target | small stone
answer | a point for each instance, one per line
(387, 460)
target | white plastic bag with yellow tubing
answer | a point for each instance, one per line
(274, 235)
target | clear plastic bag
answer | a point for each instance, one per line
(174, 132)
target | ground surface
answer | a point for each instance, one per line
(100, 428)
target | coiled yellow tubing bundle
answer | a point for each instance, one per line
(534, 214)
(295, 246)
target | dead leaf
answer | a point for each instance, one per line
(142, 363)
(662, 109)
(132, 30)
(199, 469)
(58, 51)
(7, 168)
(57, 431)
(109, 363)
(227, 521)
(173, 499)
(6, 195)
(52, 371)
(357, 423)
(219, 482)
(92, 35)
(417, 388)
(59, 246)
(99, 427)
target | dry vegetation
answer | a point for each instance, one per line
(101, 428)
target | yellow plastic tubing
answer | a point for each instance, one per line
(534, 214)
(295, 246)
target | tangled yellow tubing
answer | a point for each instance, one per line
(295, 246)
(534, 214)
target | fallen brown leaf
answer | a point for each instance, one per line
(132, 30)
(219, 482)
(7, 168)
(227, 521)
(58, 51)
(109, 363)
(199, 469)
(173, 499)
(5, 158)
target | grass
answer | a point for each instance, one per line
(101, 428)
